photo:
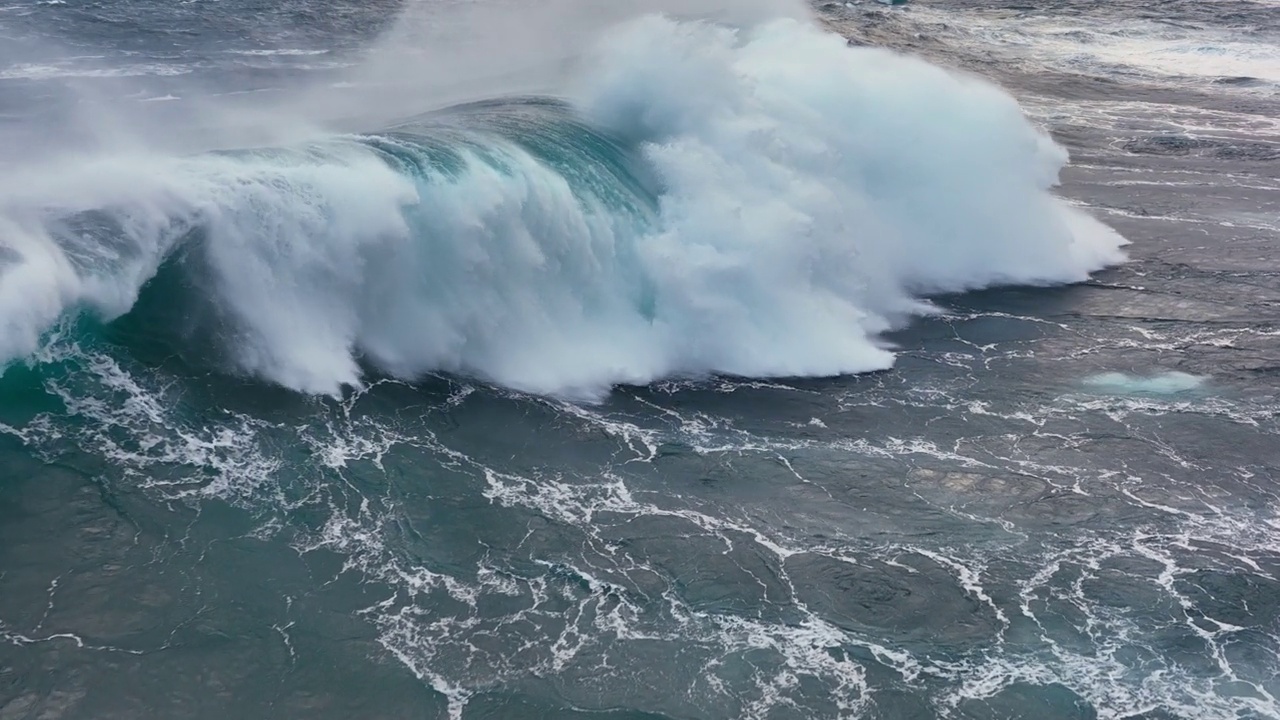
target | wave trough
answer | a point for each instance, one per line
(755, 202)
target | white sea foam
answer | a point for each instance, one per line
(1166, 383)
(1153, 48)
(36, 71)
(811, 193)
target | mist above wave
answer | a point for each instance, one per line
(805, 195)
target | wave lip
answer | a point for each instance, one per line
(757, 202)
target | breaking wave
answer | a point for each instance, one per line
(755, 202)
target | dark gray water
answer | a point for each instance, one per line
(1059, 503)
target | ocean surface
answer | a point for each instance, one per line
(639, 361)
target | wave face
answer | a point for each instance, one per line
(761, 202)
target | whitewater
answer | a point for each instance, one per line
(696, 199)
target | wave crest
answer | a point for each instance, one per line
(759, 202)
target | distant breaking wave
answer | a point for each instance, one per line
(758, 202)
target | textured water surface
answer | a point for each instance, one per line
(248, 494)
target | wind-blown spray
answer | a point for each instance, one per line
(757, 200)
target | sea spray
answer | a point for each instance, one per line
(760, 202)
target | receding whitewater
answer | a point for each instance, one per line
(749, 375)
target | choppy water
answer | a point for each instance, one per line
(1059, 502)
